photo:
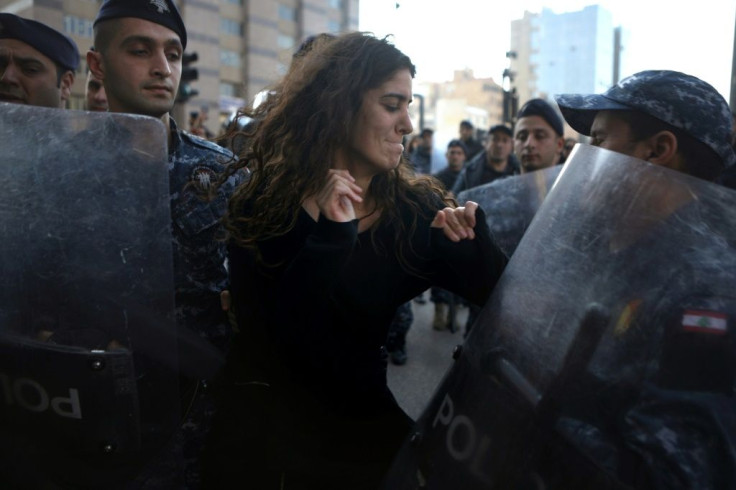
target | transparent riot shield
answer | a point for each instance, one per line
(511, 203)
(88, 352)
(605, 355)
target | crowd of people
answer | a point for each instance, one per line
(332, 228)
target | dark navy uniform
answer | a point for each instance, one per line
(199, 253)
(200, 272)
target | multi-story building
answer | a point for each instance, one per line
(572, 52)
(243, 46)
(479, 100)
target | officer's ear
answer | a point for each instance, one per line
(65, 85)
(94, 63)
(560, 147)
(663, 150)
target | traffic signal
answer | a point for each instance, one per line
(188, 75)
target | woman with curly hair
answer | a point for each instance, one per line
(331, 234)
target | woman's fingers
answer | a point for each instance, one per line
(457, 223)
(336, 198)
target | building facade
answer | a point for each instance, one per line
(572, 52)
(243, 46)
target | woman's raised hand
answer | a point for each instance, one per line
(457, 223)
(335, 200)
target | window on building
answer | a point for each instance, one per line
(234, 2)
(287, 13)
(285, 42)
(78, 26)
(229, 58)
(228, 89)
(231, 27)
(335, 4)
(333, 26)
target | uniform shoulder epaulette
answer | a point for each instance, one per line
(206, 144)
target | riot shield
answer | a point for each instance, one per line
(511, 203)
(88, 351)
(605, 352)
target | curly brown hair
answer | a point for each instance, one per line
(307, 117)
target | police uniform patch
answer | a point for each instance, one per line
(203, 177)
(627, 314)
(159, 5)
(702, 321)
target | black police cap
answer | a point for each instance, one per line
(162, 12)
(51, 43)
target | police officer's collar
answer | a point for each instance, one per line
(175, 137)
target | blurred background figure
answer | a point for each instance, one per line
(421, 156)
(467, 136)
(94, 94)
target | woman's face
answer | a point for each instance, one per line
(381, 123)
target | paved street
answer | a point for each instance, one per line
(430, 356)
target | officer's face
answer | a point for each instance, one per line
(536, 144)
(611, 132)
(29, 77)
(140, 67)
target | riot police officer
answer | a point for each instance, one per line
(668, 433)
(37, 63)
(138, 56)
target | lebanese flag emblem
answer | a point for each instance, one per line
(705, 322)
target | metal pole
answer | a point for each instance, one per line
(733, 71)
(420, 97)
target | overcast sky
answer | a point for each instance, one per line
(445, 35)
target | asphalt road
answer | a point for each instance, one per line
(429, 354)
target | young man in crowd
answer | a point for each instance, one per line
(467, 136)
(538, 140)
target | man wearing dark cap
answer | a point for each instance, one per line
(538, 140)
(37, 63)
(495, 162)
(665, 117)
(138, 56)
(467, 136)
(672, 431)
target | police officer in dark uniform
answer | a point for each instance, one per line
(27, 45)
(138, 51)
(678, 431)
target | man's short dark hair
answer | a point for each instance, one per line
(501, 128)
(466, 124)
(458, 144)
(426, 132)
(542, 108)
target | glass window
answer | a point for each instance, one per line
(285, 42)
(287, 13)
(229, 58)
(228, 89)
(335, 4)
(333, 26)
(231, 27)
(78, 26)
